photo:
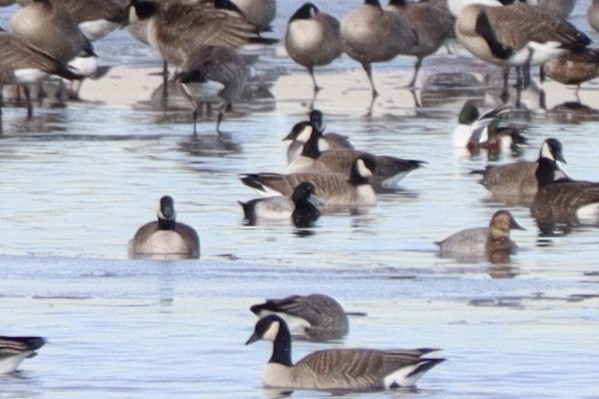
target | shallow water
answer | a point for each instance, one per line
(77, 182)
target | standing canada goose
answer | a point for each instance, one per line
(371, 34)
(165, 236)
(387, 173)
(45, 26)
(318, 317)
(432, 24)
(563, 200)
(312, 39)
(300, 133)
(213, 74)
(514, 35)
(572, 68)
(516, 183)
(23, 64)
(593, 15)
(492, 242)
(300, 208)
(259, 13)
(177, 29)
(338, 369)
(13, 350)
(333, 189)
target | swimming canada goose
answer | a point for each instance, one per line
(513, 35)
(316, 316)
(23, 64)
(387, 173)
(165, 236)
(213, 74)
(371, 34)
(572, 68)
(563, 200)
(259, 13)
(333, 189)
(432, 24)
(492, 242)
(338, 369)
(300, 208)
(312, 38)
(300, 133)
(516, 183)
(13, 350)
(593, 15)
(45, 26)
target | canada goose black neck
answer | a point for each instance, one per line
(545, 172)
(400, 3)
(167, 214)
(271, 325)
(144, 9)
(316, 119)
(305, 213)
(357, 176)
(311, 149)
(306, 11)
(374, 3)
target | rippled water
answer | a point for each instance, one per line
(77, 182)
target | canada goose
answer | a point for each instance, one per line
(333, 189)
(387, 173)
(13, 350)
(593, 15)
(259, 13)
(23, 64)
(211, 74)
(492, 242)
(45, 26)
(300, 133)
(563, 200)
(177, 29)
(318, 317)
(471, 128)
(513, 35)
(516, 183)
(165, 236)
(338, 369)
(312, 38)
(572, 68)
(300, 208)
(371, 34)
(432, 24)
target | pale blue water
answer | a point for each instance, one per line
(77, 182)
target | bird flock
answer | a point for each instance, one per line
(201, 41)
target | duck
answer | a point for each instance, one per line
(516, 35)
(357, 369)
(300, 208)
(472, 126)
(166, 236)
(23, 64)
(562, 200)
(332, 189)
(13, 350)
(318, 317)
(572, 68)
(370, 34)
(300, 133)
(433, 26)
(312, 39)
(213, 74)
(515, 183)
(491, 242)
(315, 158)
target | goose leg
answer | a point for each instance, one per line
(28, 99)
(505, 94)
(164, 85)
(368, 68)
(417, 66)
(316, 87)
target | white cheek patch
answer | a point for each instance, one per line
(271, 333)
(546, 152)
(305, 134)
(323, 145)
(362, 169)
